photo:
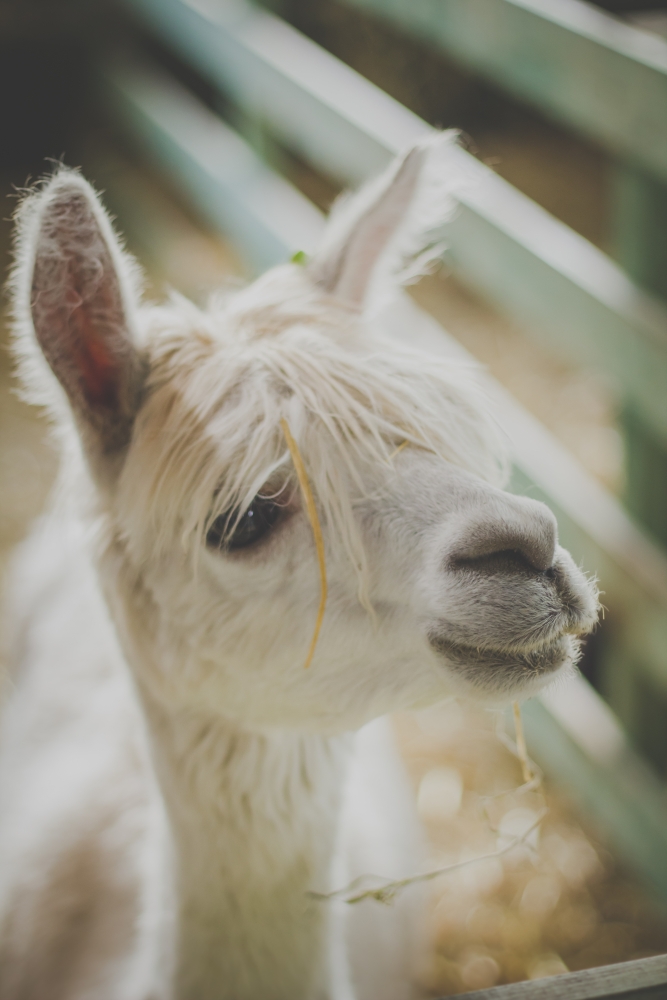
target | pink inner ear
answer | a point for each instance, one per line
(79, 321)
(78, 312)
(90, 353)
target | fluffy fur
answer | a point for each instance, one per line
(173, 784)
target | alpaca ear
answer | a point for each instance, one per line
(72, 273)
(380, 235)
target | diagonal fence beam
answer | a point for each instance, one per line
(643, 979)
(596, 73)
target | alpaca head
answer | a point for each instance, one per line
(439, 581)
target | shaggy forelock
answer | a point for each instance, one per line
(208, 438)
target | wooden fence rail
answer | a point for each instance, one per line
(644, 979)
(595, 73)
(604, 78)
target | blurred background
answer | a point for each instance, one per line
(218, 131)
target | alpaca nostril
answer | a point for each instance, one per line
(503, 561)
(507, 535)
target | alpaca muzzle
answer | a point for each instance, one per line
(514, 602)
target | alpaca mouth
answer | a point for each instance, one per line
(502, 671)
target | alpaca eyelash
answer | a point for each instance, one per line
(254, 524)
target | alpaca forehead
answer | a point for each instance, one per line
(280, 292)
(281, 299)
(222, 395)
(206, 355)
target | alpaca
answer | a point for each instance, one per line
(175, 786)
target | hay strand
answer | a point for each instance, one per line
(311, 511)
(522, 750)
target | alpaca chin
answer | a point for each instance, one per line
(495, 677)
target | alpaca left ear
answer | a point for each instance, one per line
(72, 272)
(381, 233)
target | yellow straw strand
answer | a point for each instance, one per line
(521, 743)
(401, 446)
(311, 511)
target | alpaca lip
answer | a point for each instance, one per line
(479, 663)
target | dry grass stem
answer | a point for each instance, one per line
(521, 744)
(386, 892)
(311, 511)
(401, 446)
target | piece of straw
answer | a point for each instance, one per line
(311, 511)
(401, 446)
(521, 743)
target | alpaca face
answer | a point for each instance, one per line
(438, 580)
(466, 587)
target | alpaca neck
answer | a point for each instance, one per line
(253, 824)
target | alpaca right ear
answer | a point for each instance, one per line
(73, 280)
(380, 234)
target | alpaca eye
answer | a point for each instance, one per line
(255, 523)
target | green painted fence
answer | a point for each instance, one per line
(602, 77)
